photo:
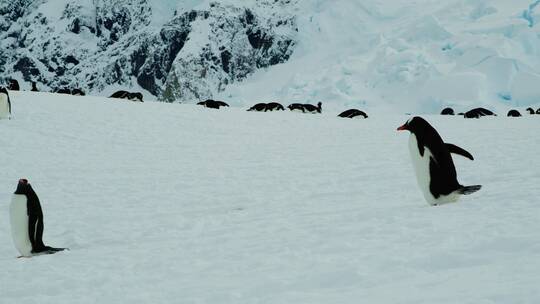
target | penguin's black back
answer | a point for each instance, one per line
(275, 106)
(513, 113)
(260, 107)
(221, 103)
(63, 91)
(296, 106)
(478, 112)
(119, 94)
(447, 111)
(351, 113)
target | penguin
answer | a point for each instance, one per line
(447, 111)
(63, 91)
(136, 96)
(538, 111)
(433, 164)
(296, 107)
(34, 87)
(513, 113)
(313, 109)
(77, 92)
(14, 85)
(260, 107)
(353, 113)
(530, 110)
(274, 106)
(213, 104)
(120, 94)
(5, 104)
(478, 112)
(221, 103)
(27, 222)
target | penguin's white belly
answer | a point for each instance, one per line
(423, 176)
(421, 168)
(19, 225)
(4, 106)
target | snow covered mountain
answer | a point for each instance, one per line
(399, 55)
(173, 51)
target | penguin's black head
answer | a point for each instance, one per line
(415, 125)
(23, 187)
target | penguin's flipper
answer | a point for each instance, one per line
(457, 150)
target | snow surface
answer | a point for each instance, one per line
(169, 203)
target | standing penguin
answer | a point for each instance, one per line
(5, 104)
(27, 222)
(433, 164)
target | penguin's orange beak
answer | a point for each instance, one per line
(402, 128)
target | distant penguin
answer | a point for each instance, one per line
(14, 85)
(120, 94)
(274, 106)
(433, 164)
(63, 91)
(213, 104)
(538, 111)
(447, 111)
(136, 96)
(34, 87)
(298, 107)
(260, 107)
(530, 110)
(221, 103)
(77, 92)
(27, 222)
(479, 112)
(513, 113)
(309, 108)
(353, 113)
(5, 104)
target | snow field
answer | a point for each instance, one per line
(177, 203)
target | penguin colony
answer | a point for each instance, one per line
(267, 107)
(431, 158)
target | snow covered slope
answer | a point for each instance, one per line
(168, 203)
(408, 56)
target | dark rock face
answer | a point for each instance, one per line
(102, 43)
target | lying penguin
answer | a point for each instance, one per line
(433, 164)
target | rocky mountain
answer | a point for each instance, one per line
(175, 51)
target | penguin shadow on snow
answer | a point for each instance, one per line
(433, 165)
